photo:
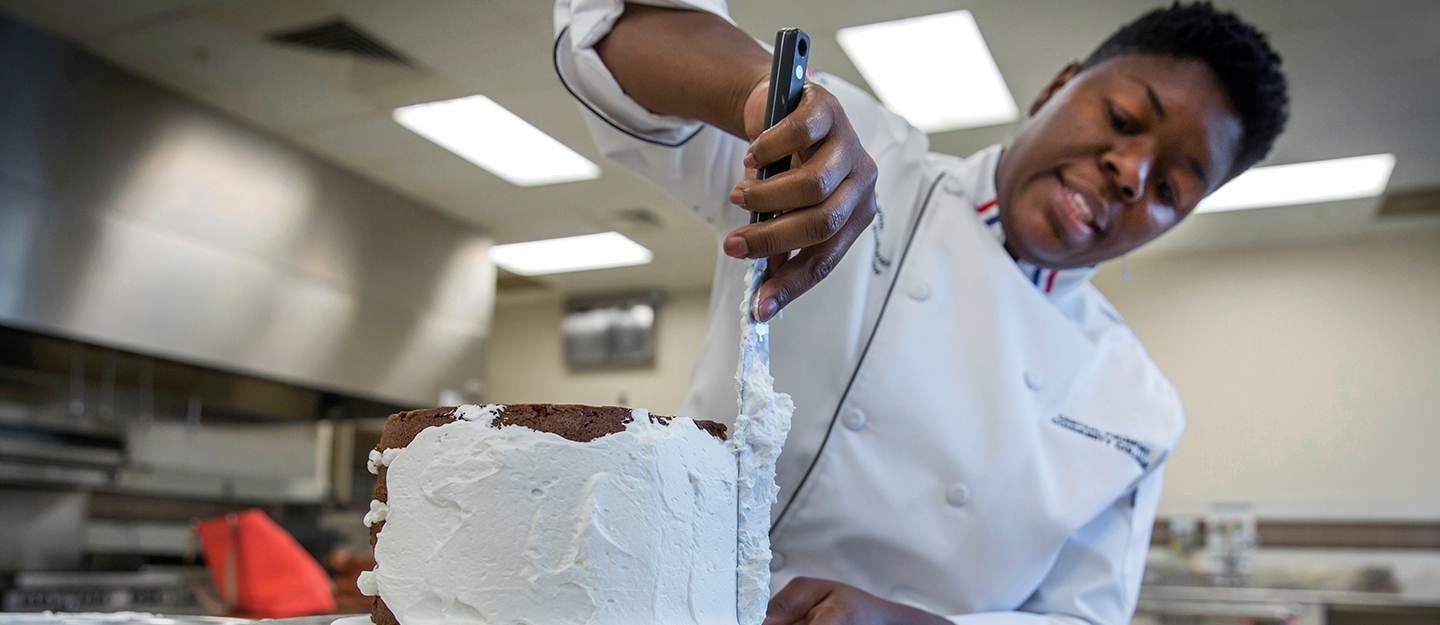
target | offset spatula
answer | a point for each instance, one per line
(764, 419)
(787, 76)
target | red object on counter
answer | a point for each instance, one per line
(259, 570)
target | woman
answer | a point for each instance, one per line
(978, 436)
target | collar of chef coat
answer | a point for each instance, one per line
(980, 181)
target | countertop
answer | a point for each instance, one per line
(142, 618)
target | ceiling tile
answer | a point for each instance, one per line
(197, 57)
(373, 139)
(83, 20)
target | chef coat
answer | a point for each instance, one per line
(974, 436)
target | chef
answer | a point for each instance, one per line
(978, 435)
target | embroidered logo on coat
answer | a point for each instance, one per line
(1137, 450)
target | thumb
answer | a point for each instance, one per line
(754, 113)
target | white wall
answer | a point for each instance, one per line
(527, 363)
(1310, 375)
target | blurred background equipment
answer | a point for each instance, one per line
(106, 456)
(258, 569)
(1230, 539)
(610, 332)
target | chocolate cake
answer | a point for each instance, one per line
(577, 424)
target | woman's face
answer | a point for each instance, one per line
(1112, 156)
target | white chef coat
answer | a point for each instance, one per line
(977, 437)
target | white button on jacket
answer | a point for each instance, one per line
(957, 495)
(980, 490)
(1034, 379)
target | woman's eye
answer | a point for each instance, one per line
(1121, 123)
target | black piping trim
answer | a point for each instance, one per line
(854, 374)
(555, 59)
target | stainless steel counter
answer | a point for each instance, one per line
(143, 618)
(1300, 607)
(118, 618)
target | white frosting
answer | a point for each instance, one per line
(471, 412)
(367, 584)
(759, 433)
(468, 412)
(378, 510)
(509, 525)
(379, 459)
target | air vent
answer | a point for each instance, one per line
(340, 37)
(630, 220)
(641, 217)
(1411, 203)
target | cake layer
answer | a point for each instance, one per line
(583, 515)
(576, 422)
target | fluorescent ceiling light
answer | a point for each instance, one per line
(934, 71)
(590, 251)
(487, 134)
(1303, 183)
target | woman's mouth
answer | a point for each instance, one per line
(1073, 209)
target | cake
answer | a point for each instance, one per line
(550, 515)
(540, 514)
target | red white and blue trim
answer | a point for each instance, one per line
(975, 181)
(989, 214)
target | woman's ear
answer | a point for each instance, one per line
(1066, 73)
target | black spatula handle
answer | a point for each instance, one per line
(787, 77)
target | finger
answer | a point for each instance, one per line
(804, 127)
(795, 600)
(774, 262)
(737, 194)
(803, 185)
(811, 265)
(804, 227)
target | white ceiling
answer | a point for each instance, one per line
(1365, 78)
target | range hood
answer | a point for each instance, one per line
(134, 219)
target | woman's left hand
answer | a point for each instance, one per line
(810, 601)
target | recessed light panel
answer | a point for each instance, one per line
(485, 133)
(934, 71)
(590, 251)
(1303, 183)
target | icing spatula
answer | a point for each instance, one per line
(787, 77)
(764, 419)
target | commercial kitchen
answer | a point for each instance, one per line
(237, 235)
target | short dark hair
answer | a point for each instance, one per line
(1239, 55)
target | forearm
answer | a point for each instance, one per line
(696, 65)
(686, 63)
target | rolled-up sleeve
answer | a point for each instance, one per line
(695, 163)
(579, 25)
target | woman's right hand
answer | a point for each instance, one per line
(827, 198)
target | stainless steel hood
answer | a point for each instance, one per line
(133, 218)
